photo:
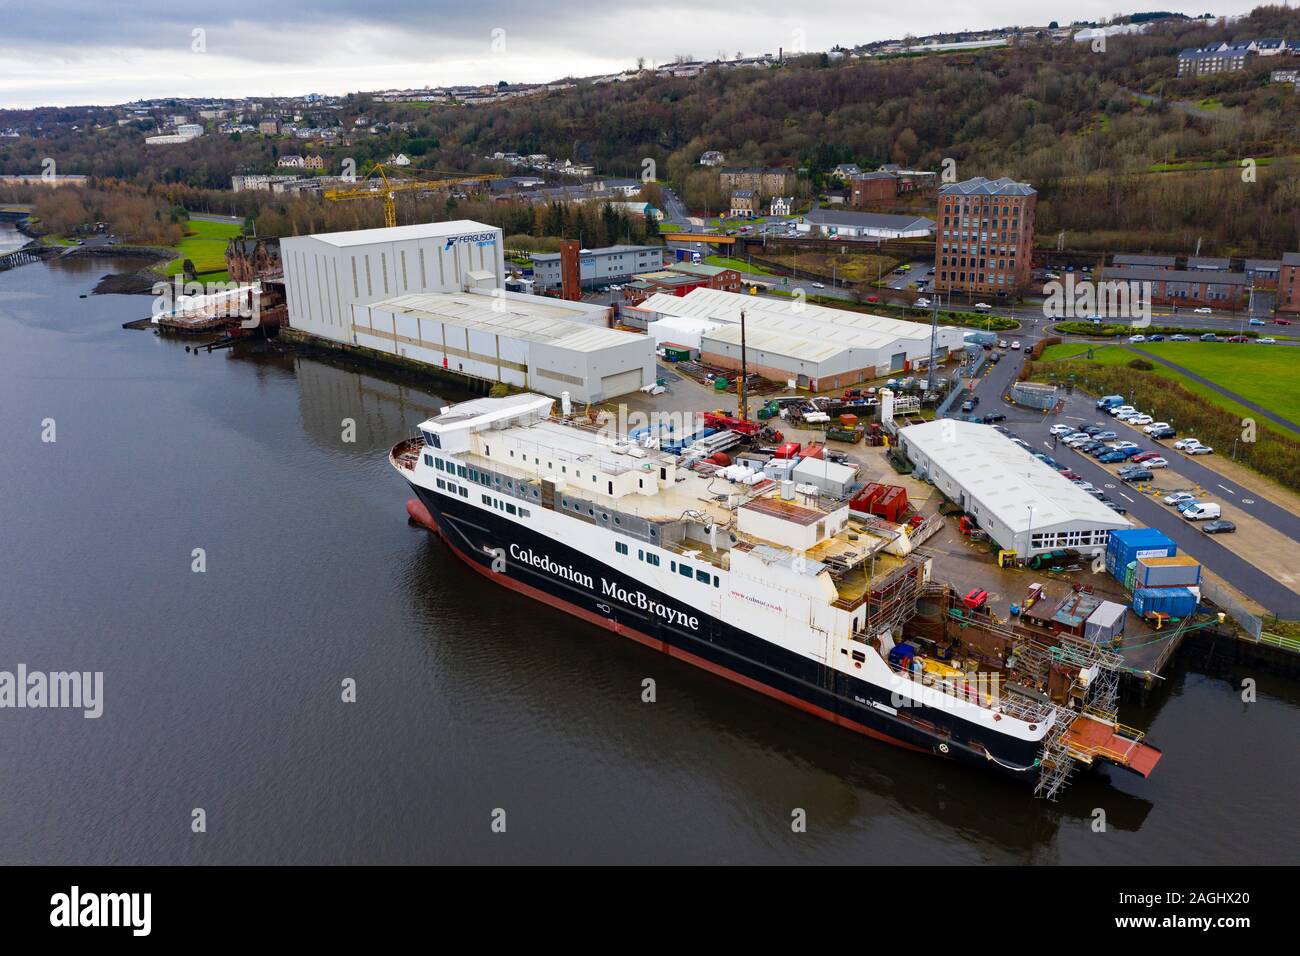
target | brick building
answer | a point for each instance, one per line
(744, 204)
(1288, 284)
(1186, 288)
(984, 237)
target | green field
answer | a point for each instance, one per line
(1258, 373)
(1263, 374)
(204, 245)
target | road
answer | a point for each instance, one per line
(1034, 428)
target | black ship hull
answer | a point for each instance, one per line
(489, 543)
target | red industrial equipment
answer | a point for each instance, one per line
(975, 598)
(725, 422)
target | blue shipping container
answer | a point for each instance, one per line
(1126, 545)
(1176, 602)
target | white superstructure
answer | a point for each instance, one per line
(789, 570)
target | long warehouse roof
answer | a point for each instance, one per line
(525, 321)
(764, 340)
(420, 230)
(726, 307)
(1005, 478)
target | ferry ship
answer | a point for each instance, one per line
(789, 594)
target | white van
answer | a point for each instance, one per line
(1203, 511)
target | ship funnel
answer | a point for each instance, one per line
(566, 405)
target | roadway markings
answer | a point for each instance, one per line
(1227, 489)
(1247, 501)
(1125, 497)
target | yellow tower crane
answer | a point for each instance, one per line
(378, 186)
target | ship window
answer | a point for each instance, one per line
(673, 564)
(524, 512)
(702, 576)
(616, 521)
(460, 471)
(684, 570)
(640, 555)
(652, 559)
(442, 484)
(620, 547)
(611, 487)
(654, 532)
(428, 460)
(715, 581)
(511, 509)
(487, 452)
(464, 492)
(487, 500)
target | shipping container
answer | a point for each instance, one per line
(1178, 603)
(1179, 571)
(1105, 626)
(1128, 544)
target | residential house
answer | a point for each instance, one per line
(763, 180)
(291, 162)
(1288, 285)
(1184, 288)
(744, 204)
(711, 157)
(782, 206)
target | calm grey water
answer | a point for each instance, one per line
(222, 689)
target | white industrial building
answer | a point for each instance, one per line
(815, 346)
(1023, 504)
(544, 345)
(327, 273)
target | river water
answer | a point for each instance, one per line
(222, 688)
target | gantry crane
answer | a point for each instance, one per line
(388, 188)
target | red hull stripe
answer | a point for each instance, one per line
(417, 511)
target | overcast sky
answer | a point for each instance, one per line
(61, 52)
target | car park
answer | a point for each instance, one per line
(1218, 526)
(1178, 497)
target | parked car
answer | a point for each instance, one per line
(1123, 410)
(1282, 321)
(1139, 420)
(1203, 512)
(968, 407)
(1002, 344)
(1110, 457)
(1105, 436)
(1129, 452)
(1266, 340)
(1167, 432)
(1156, 338)
(983, 306)
(1061, 430)
(1182, 506)
(1200, 450)
(1203, 311)
(1089, 447)
(1155, 427)
(1071, 475)
(1237, 338)
(1157, 463)
(1015, 345)
(1145, 456)
(995, 417)
(1140, 474)
(1135, 339)
(995, 358)
(1256, 321)
(1186, 443)
(1218, 526)
(1121, 445)
(1209, 337)
(922, 303)
(1178, 497)
(1114, 506)
(1180, 338)
(818, 285)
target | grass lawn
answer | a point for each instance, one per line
(727, 262)
(56, 241)
(204, 245)
(1263, 374)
